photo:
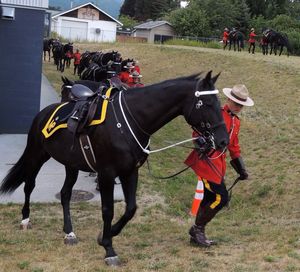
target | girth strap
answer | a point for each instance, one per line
(87, 151)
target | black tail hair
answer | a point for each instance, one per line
(15, 177)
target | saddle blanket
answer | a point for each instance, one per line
(61, 114)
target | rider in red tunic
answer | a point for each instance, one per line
(135, 80)
(124, 75)
(77, 57)
(251, 41)
(211, 168)
(225, 37)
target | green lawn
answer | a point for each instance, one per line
(260, 230)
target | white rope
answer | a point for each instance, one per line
(145, 150)
(164, 148)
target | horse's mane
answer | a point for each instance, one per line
(170, 82)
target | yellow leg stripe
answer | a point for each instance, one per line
(206, 184)
(217, 202)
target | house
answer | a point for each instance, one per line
(154, 31)
(86, 22)
(22, 29)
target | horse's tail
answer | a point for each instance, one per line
(29, 163)
(16, 176)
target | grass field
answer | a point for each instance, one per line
(260, 231)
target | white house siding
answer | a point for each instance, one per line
(164, 30)
(142, 33)
(74, 29)
(30, 3)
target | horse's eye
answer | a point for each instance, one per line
(202, 124)
(208, 125)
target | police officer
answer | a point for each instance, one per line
(211, 168)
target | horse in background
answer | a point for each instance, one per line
(100, 65)
(276, 40)
(60, 55)
(236, 38)
(47, 46)
(68, 54)
(85, 60)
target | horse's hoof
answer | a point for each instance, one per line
(25, 224)
(113, 261)
(99, 239)
(70, 239)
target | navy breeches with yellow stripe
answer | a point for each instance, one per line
(215, 195)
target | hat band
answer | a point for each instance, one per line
(237, 97)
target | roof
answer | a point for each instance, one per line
(83, 5)
(152, 24)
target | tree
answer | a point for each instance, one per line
(128, 8)
(127, 21)
(242, 14)
(190, 21)
(143, 10)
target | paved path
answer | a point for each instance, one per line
(51, 177)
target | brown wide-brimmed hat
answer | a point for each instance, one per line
(239, 94)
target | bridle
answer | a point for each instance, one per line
(197, 105)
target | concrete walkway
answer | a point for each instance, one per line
(51, 177)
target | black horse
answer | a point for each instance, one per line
(275, 40)
(94, 72)
(99, 64)
(85, 60)
(61, 58)
(120, 146)
(236, 38)
(47, 45)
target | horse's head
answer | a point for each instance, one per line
(116, 57)
(203, 112)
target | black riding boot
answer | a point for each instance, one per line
(197, 232)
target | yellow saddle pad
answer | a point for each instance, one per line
(58, 118)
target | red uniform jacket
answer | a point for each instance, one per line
(252, 36)
(137, 68)
(225, 36)
(76, 57)
(124, 76)
(202, 168)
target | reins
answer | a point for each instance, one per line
(145, 149)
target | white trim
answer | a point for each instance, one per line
(89, 3)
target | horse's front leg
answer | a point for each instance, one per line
(281, 49)
(129, 186)
(65, 194)
(106, 187)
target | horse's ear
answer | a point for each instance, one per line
(214, 79)
(207, 78)
(67, 81)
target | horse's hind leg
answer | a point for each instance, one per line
(129, 186)
(65, 194)
(32, 169)
(106, 187)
